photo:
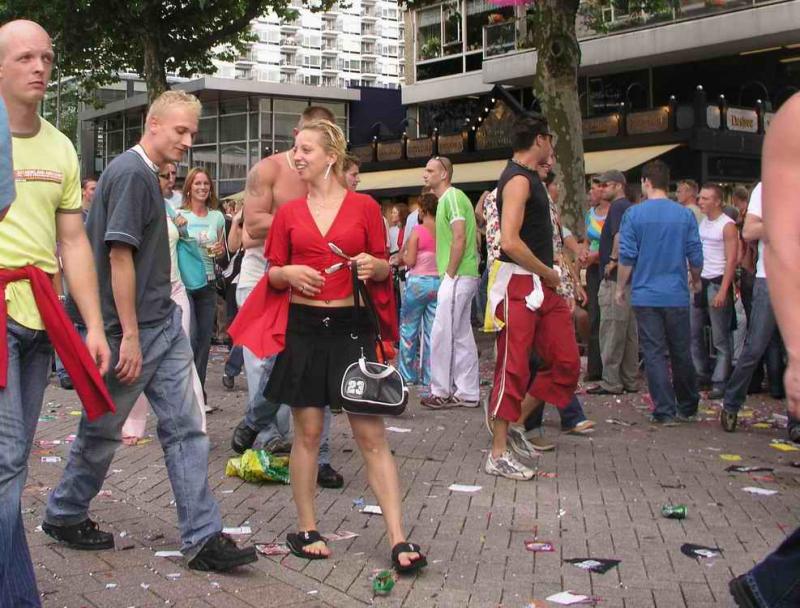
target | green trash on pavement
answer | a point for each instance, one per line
(258, 466)
(383, 582)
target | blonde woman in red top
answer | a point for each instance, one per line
(306, 249)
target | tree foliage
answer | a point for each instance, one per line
(97, 39)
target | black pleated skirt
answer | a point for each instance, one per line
(320, 344)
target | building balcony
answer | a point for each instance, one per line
(330, 69)
(330, 51)
(290, 27)
(289, 64)
(330, 33)
(369, 33)
(369, 76)
(697, 29)
(290, 42)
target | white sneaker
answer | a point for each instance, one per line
(519, 443)
(508, 466)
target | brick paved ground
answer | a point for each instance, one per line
(604, 502)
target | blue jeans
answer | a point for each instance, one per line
(29, 359)
(570, 416)
(416, 321)
(166, 380)
(761, 339)
(775, 581)
(204, 310)
(721, 339)
(235, 361)
(661, 327)
(271, 420)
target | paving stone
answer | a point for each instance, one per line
(604, 502)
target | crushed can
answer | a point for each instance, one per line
(674, 511)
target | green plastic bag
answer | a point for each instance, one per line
(257, 466)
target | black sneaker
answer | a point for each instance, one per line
(227, 381)
(741, 593)
(328, 477)
(794, 433)
(85, 536)
(221, 554)
(243, 438)
(66, 383)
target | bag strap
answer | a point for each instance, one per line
(360, 291)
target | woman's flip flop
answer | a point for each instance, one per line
(297, 543)
(415, 565)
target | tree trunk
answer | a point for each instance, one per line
(155, 76)
(556, 87)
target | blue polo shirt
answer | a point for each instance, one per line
(659, 237)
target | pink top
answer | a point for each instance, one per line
(426, 252)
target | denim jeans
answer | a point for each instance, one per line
(29, 359)
(761, 334)
(235, 361)
(668, 327)
(570, 416)
(166, 380)
(721, 339)
(271, 420)
(775, 580)
(594, 362)
(204, 310)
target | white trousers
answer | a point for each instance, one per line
(137, 419)
(454, 355)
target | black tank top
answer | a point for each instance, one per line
(537, 228)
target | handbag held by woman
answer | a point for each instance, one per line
(369, 387)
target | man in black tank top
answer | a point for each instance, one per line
(533, 314)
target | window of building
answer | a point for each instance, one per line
(311, 80)
(429, 33)
(205, 157)
(233, 128)
(479, 14)
(206, 131)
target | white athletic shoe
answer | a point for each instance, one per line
(508, 466)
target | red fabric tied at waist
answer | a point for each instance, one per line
(65, 339)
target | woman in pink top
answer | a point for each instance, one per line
(419, 300)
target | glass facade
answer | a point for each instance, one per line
(233, 134)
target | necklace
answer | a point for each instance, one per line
(523, 165)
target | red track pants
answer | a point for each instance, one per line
(549, 332)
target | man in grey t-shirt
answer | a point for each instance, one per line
(150, 351)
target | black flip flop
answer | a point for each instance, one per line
(414, 566)
(297, 542)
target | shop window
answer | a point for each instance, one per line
(233, 128)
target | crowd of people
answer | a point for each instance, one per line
(676, 288)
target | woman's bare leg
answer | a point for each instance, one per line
(303, 469)
(370, 436)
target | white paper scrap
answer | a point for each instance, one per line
(237, 531)
(169, 554)
(460, 487)
(397, 429)
(760, 491)
(567, 598)
(372, 510)
(51, 458)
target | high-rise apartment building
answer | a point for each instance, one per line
(359, 44)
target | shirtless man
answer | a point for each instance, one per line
(271, 183)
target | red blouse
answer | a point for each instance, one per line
(294, 238)
(357, 228)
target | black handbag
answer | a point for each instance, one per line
(369, 387)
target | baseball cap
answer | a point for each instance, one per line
(613, 176)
